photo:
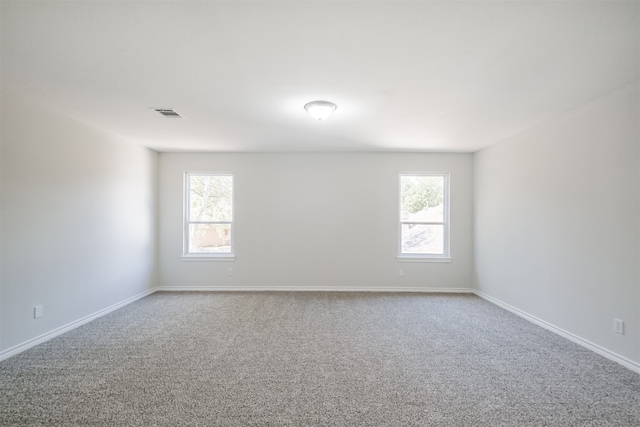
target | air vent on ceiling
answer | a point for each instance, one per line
(169, 113)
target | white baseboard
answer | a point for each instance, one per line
(630, 364)
(312, 289)
(12, 351)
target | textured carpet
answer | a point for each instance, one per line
(314, 359)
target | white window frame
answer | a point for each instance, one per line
(210, 256)
(413, 257)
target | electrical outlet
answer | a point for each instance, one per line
(618, 326)
(37, 311)
(230, 272)
(401, 272)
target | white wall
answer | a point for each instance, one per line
(315, 220)
(556, 221)
(78, 220)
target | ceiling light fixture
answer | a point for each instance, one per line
(320, 110)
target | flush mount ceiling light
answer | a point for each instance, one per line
(320, 110)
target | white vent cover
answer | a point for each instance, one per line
(169, 113)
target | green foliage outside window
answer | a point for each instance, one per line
(420, 192)
(211, 198)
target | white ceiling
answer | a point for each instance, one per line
(406, 76)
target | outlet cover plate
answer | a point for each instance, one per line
(618, 326)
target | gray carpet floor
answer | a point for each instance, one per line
(314, 359)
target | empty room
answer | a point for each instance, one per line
(320, 213)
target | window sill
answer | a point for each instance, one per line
(417, 258)
(217, 257)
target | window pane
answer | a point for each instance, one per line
(207, 238)
(422, 239)
(422, 198)
(210, 198)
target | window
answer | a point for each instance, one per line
(208, 215)
(424, 217)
